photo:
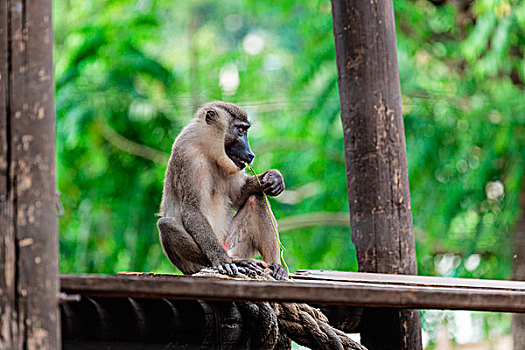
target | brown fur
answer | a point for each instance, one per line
(201, 189)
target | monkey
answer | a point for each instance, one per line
(205, 185)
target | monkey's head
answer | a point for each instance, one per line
(232, 122)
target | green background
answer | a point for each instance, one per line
(130, 74)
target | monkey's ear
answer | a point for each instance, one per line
(211, 116)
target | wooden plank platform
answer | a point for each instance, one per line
(317, 287)
(407, 280)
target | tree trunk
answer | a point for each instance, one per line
(28, 233)
(379, 196)
(518, 322)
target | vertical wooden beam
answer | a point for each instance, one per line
(379, 196)
(28, 232)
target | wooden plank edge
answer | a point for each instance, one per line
(430, 281)
(342, 293)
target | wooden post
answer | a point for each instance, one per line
(28, 232)
(379, 196)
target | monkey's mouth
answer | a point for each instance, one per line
(237, 161)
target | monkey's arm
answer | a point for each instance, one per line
(200, 229)
(272, 184)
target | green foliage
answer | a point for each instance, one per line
(130, 74)
(465, 136)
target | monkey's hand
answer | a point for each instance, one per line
(272, 182)
(252, 266)
(279, 272)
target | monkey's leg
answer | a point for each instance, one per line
(252, 231)
(180, 247)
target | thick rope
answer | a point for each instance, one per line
(274, 324)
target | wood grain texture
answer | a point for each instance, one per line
(409, 280)
(443, 295)
(28, 235)
(374, 140)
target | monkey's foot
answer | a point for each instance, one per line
(279, 272)
(252, 266)
(266, 274)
